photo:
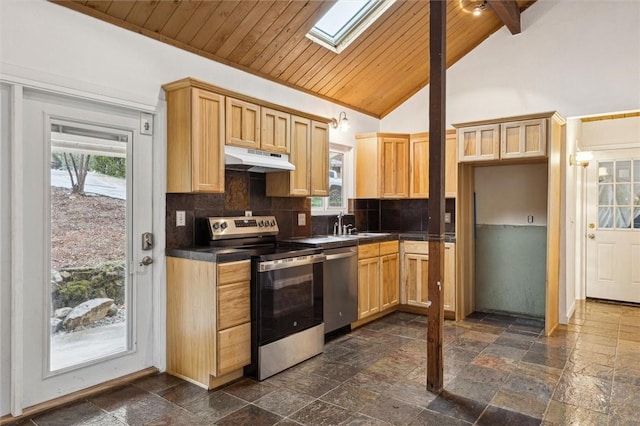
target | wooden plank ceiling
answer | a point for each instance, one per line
(381, 69)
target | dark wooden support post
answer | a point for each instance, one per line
(437, 94)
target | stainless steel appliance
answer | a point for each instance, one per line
(340, 288)
(286, 292)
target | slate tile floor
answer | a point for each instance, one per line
(499, 370)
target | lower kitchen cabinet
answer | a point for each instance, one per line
(208, 320)
(378, 284)
(415, 275)
(368, 287)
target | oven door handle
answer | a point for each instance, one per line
(272, 265)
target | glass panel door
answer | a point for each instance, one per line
(89, 285)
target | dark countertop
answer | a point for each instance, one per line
(209, 254)
(337, 241)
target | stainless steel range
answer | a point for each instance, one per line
(286, 292)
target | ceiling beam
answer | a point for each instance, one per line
(508, 12)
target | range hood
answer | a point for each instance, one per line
(253, 160)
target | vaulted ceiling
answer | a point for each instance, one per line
(381, 69)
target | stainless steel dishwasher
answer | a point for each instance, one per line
(340, 288)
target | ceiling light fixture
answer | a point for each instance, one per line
(342, 122)
(477, 11)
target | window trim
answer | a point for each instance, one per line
(353, 28)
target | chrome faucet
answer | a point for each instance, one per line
(339, 224)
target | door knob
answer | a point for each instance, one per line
(591, 236)
(147, 260)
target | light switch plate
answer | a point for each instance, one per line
(302, 219)
(447, 217)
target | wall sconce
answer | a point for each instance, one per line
(581, 158)
(342, 122)
(478, 9)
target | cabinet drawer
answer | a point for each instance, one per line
(366, 251)
(233, 304)
(234, 272)
(417, 247)
(389, 247)
(234, 348)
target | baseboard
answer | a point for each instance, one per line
(84, 393)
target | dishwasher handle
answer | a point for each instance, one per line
(340, 255)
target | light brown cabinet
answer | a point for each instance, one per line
(382, 165)
(522, 139)
(378, 283)
(415, 275)
(504, 140)
(479, 143)
(419, 165)
(243, 123)
(449, 277)
(275, 130)
(319, 159)
(310, 155)
(208, 320)
(195, 139)
(389, 275)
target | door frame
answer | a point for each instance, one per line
(15, 210)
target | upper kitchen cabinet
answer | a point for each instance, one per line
(382, 165)
(319, 159)
(275, 131)
(419, 165)
(195, 139)
(296, 183)
(521, 139)
(243, 123)
(479, 143)
(504, 139)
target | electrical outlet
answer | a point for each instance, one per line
(248, 213)
(181, 218)
(302, 219)
(530, 219)
(447, 217)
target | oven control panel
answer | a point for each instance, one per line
(241, 226)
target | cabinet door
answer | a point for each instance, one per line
(394, 163)
(368, 287)
(367, 171)
(275, 134)
(389, 288)
(416, 276)
(419, 170)
(207, 146)
(319, 159)
(243, 124)
(300, 155)
(524, 139)
(449, 277)
(451, 166)
(480, 143)
(234, 349)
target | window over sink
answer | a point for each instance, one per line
(337, 199)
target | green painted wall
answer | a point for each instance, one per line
(511, 269)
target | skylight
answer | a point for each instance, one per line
(345, 21)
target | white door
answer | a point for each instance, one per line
(613, 226)
(72, 241)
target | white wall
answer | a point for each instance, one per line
(574, 57)
(607, 134)
(507, 195)
(5, 247)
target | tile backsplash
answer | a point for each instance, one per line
(247, 191)
(243, 191)
(398, 215)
